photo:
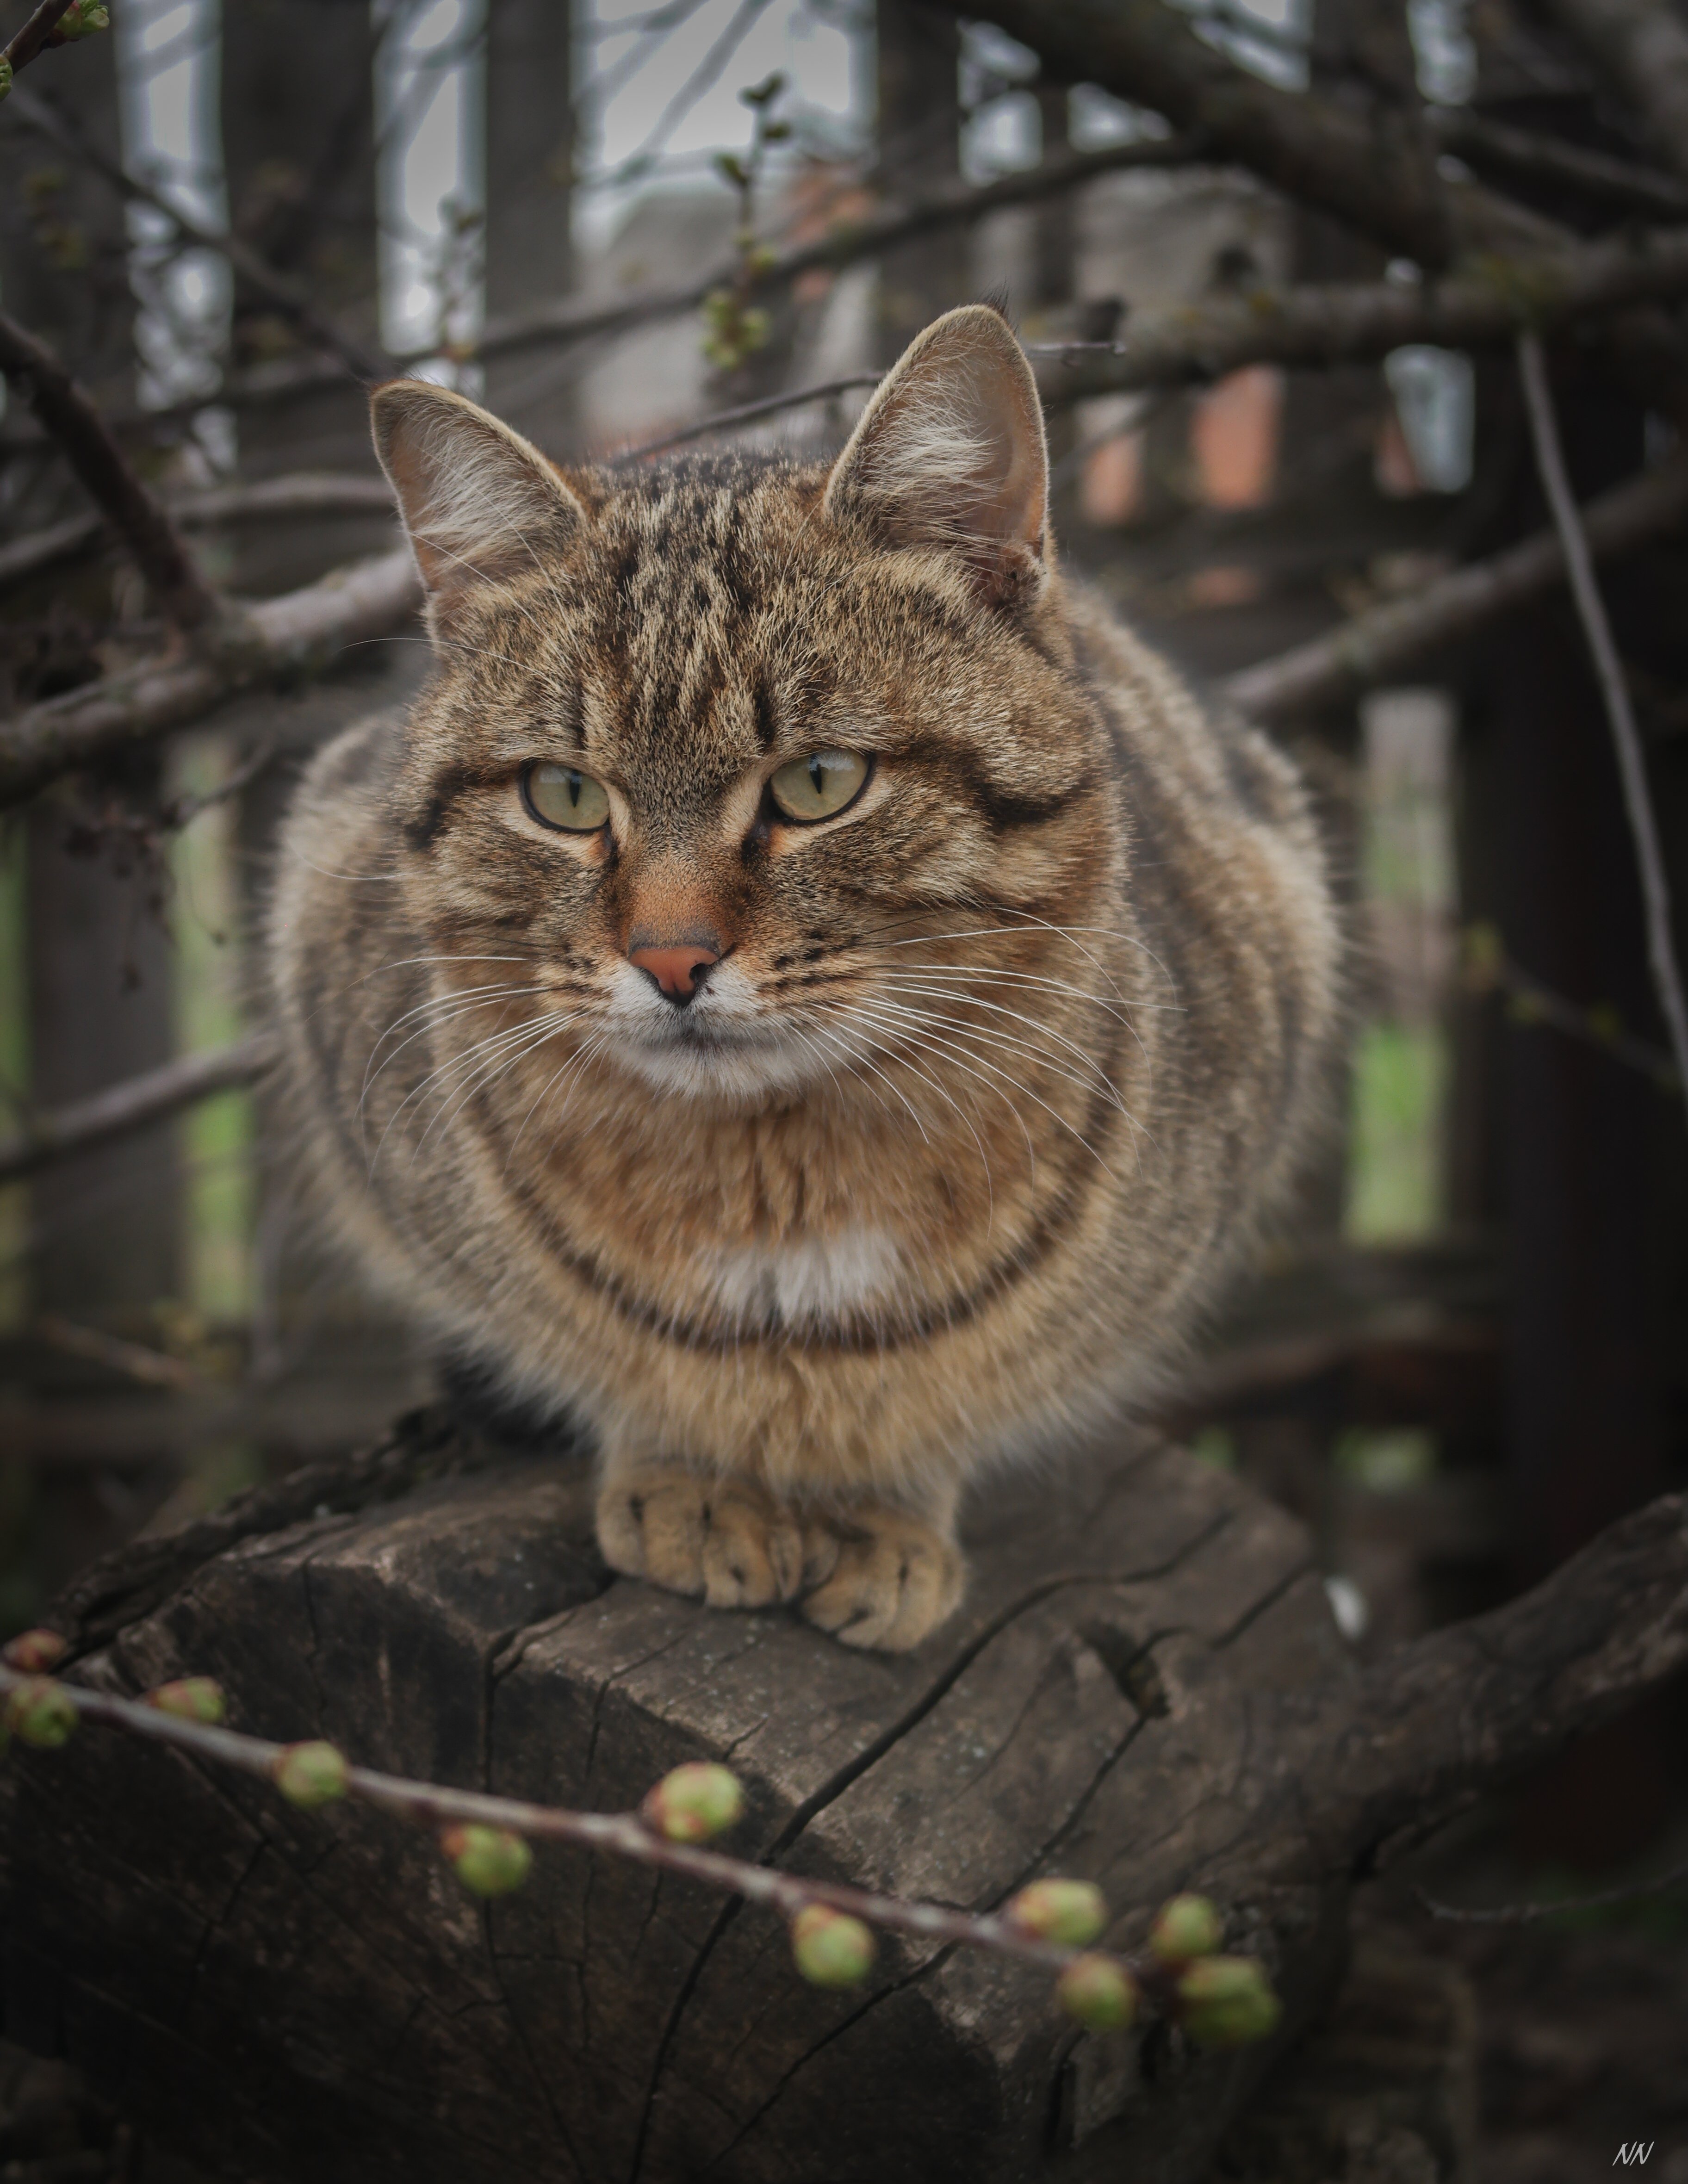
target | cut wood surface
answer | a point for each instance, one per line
(315, 1996)
(1144, 1688)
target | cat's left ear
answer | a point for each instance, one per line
(950, 453)
(481, 504)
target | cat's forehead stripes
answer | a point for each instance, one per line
(688, 618)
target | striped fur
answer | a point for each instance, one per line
(997, 1074)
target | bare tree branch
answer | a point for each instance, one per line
(125, 1108)
(297, 634)
(1363, 651)
(1487, 302)
(1550, 462)
(316, 1773)
(1375, 171)
(300, 493)
(66, 413)
(1641, 49)
(35, 33)
(1189, 344)
(579, 320)
(284, 295)
(1523, 155)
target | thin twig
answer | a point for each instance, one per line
(1489, 968)
(1525, 1914)
(285, 295)
(747, 413)
(66, 413)
(59, 1133)
(1549, 461)
(623, 1835)
(35, 34)
(133, 1360)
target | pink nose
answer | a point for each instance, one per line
(676, 970)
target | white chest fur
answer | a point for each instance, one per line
(809, 1283)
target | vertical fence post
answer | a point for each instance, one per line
(530, 249)
(918, 75)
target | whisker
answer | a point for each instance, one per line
(443, 1009)
(940, 1040)
(903, 1031)
(1043, 1031)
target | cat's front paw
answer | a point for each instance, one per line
(880, 1577)
(726, 1538)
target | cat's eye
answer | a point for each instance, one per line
(563, 796)
(818, 787)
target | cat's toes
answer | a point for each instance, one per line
(881, 1577)
(726, 1538)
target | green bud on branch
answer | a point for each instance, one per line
(487, 1861)
(35, 1651)
(1069, 1912)
(192, 1698)
(1227, 2002)
(42, 1712)
(5, 76)
(1187, 1926)
(831, 1948)
(311, 1774)
(81, 19)
(1098, 1992)
(692, 1802)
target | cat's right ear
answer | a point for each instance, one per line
(480, 504)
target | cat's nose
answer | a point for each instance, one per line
(678, 971)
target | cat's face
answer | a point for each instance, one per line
(751, 774)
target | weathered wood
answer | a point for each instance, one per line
(312, 1994)
(1144, 1687)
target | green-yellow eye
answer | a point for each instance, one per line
(818, 786)
(563, 796)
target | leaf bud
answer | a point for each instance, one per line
(1098, 1992)
(311, 1774)
(35, 1651)
(41, 1712)
(1069, 1912)
(191, 1698)
(692, 1802)
(1187, 1926)
(5, 76)
(1227, 2002)
(487, 1861)
(81, 19)
(831, 1949)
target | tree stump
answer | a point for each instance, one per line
(1144, 1688)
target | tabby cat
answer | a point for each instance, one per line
(804, 992)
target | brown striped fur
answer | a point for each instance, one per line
(999, 1069)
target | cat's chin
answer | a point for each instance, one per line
(738, 1068)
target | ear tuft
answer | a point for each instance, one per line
(950, 451)
(481, 504)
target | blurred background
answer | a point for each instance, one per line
(1469, 1349)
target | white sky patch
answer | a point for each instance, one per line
(168, 56)
(830, 95)
(432, 181)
